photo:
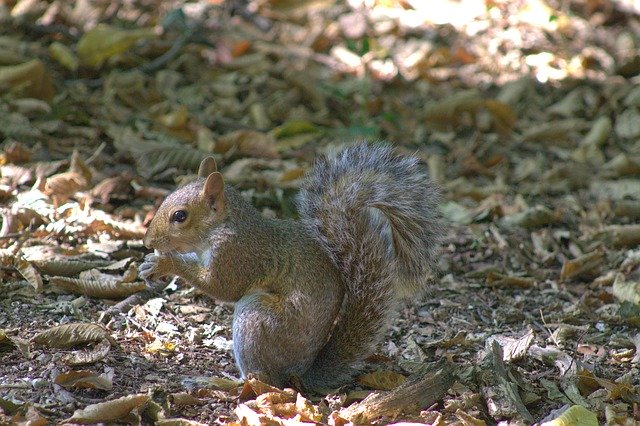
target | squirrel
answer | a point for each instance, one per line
(313, 297)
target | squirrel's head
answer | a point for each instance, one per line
(186, 217)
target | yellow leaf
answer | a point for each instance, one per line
(64, 55)
(294, 127)
(574, 416)
(102, 42)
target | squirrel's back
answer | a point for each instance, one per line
(376, 214)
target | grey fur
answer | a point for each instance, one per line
(376, 214)
(312, 298)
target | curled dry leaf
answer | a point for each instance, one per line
(83, 379)
(29, 273)
(581, 265)
(382, 379)
(66, 268)
(89, 355)
(12, 341)
(108, 411)
(259, 387)
(94, 283)
(64, 185)
(68, 335)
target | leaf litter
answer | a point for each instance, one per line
(525, 112)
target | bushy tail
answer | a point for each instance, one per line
(376, 214)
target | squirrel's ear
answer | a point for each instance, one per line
(213, 190)
(207, 166)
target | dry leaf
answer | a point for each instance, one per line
(21, 344)
(382, 379)
(626, 291)
(68, 335)
(102, 42)
(108, 411)
(29, 80)
(89, 355)
(94, 283)
(83, 379)
(29, 273)
(576, 415)
(246, 143)
(581, 265)
(64, 56)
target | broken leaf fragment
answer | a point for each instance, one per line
(104, 41)
(29, 272)
(576, 415)
(108, 411)
(64, 55)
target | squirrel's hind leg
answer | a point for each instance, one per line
(272, 339)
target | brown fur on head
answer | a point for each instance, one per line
(186, 217)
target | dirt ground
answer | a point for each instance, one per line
(527, 114)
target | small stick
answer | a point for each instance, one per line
(154, 289)
(419, 391)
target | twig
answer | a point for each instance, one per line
(419, 391)
(154, 289)
(167, 56)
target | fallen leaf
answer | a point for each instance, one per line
(108, 411)
(83, 379)
(104, 41)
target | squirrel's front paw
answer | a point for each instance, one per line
(155, 266)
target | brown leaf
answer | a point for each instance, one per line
(382, 379)
(247, 143)
(581, 265)
(83, 379)
(29, 79)
(94, 283)
(68, 335)
(29, 273)
(108, 411)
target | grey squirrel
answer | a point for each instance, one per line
(312, 297)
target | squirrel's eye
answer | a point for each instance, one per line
(178, 216)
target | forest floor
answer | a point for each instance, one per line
(527, 113)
